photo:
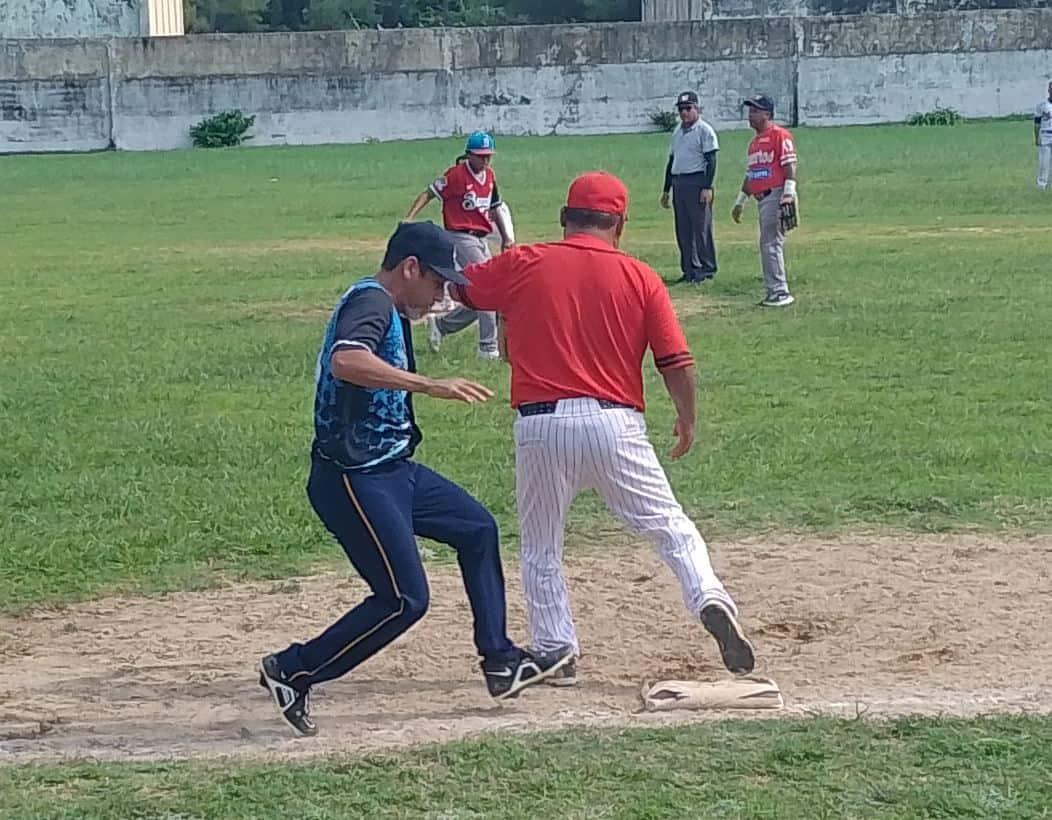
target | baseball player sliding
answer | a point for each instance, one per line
(580, 317)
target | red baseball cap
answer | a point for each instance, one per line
(598, 191)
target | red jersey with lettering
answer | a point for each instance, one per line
(579, 316)
(769, 152)
(466, 198)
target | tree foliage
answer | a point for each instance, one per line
(299, 15)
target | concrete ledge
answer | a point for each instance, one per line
(308, 88)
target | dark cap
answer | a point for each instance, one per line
(433, 247)
(687, 98)
(761, 102)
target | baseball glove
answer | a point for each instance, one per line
(789, 216)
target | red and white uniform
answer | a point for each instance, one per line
(466, 199)
(581, 317)
(769, 152)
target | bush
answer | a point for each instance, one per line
(222, 130)
(665, 120)
(940, 116)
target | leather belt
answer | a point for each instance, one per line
(476, 233)
(764, 194)
(544, 408)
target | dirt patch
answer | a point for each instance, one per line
(864, 625)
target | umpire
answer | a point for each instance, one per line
(690, 174)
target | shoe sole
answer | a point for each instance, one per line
(543, 676)
(264, 681)
(735, 649)
(561, 682)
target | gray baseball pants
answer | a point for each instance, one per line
(470, 250)
(772, 241)
(697, 248)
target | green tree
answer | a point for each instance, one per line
(340, 14)
(224, 15)
(286, 15)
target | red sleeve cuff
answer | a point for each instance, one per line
(676, 361)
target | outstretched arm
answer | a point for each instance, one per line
(359, 366)
(419, 203)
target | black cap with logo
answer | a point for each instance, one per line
(687, 98)
(432, 246)
(761, 102)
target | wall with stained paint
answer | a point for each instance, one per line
(354, 86)
(72, 18)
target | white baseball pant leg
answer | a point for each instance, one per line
(583, 446)
(1044, 162)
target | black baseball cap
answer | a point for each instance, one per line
(687, 98)
(760, 101)
(431, 245)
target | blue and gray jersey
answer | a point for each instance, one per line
(356, 427)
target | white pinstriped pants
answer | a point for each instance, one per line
(582, 446)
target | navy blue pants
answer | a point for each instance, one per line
(375, 515)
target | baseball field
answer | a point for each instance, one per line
(873, 476)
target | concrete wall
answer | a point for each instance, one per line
(72, 18)
(666, 11)
(413, 83)
(54, 95)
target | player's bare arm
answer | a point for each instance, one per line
(681, 385)
(739, 203)
(502, 228)
(420, 203)
(362, 368)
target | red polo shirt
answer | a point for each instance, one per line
(579, 316)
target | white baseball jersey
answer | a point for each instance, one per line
(1044, 114)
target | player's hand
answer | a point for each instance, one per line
(684, 433)
(463, 390)
(706, 196)
(787, 199)
(664, 200)
(506, 246)
(736, 213)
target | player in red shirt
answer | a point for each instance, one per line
(770, 179)
(580, 317)
(470, 199)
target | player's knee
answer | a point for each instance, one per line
(414, 605)
(482, 535)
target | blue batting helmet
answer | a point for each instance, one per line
(479, 143)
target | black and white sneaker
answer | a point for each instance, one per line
(735, 649)
(505, 679)
(293, 704)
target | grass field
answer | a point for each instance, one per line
(160, 316)
(793, 769)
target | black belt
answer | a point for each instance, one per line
(544, 408)
(764, 194)
(476, 233)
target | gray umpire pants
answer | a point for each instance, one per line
(697, 249)
(772, 241)
(470, 250)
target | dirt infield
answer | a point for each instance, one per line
(877, 625)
